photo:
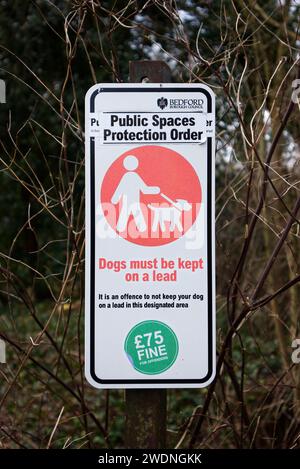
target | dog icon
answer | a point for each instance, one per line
(171, 214)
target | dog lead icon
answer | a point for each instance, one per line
(172, 214)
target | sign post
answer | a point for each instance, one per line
(146, 409)
(149, 242)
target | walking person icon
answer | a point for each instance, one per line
(150, 195)
(128, 191)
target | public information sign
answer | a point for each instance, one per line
(150, 284)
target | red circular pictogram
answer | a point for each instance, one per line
(151, 195)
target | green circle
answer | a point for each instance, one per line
(151, 347)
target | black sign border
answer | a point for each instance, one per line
(209, 243)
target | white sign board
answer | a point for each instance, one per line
(150, 286)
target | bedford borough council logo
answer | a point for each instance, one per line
(162, 102)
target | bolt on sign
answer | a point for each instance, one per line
(150, 288)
